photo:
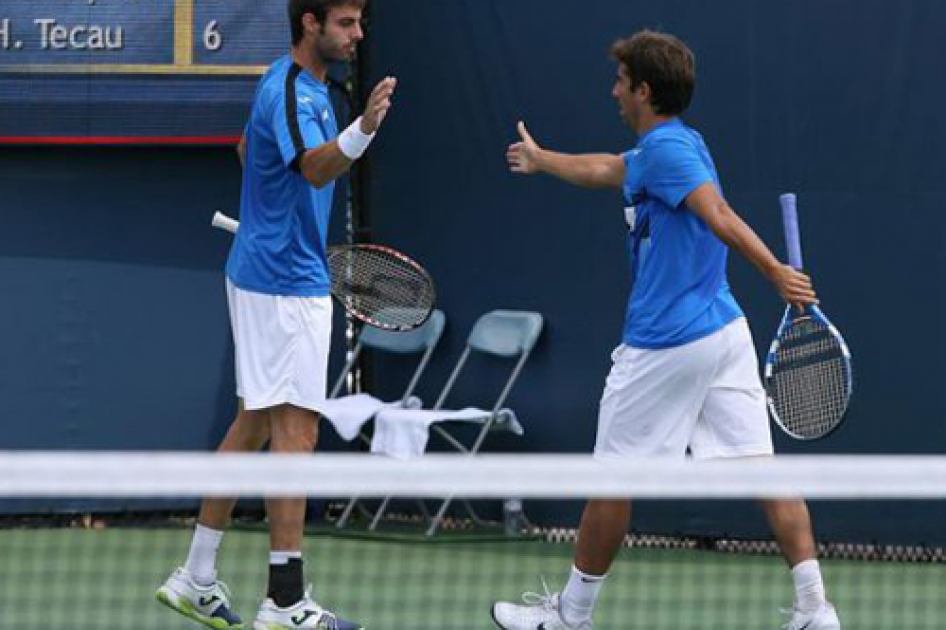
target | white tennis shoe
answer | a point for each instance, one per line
(537, 612)
(825, 618)
(208, 605)
(305, 615)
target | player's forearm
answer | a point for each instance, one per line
(736, 233)
(596, 170)
(325, 164)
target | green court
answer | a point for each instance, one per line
(105, 579)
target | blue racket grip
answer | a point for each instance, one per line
(790, 223)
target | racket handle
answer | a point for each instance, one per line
(223, 222)
(790, 223)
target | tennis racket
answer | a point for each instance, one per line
(808, 376)
(377, 285)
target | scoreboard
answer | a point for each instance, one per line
(133, 71)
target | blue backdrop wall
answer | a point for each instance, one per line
(835, 101)
(115, 330)
(114, 323)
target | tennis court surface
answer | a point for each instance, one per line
(100, 570)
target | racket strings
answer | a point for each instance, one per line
(381, 286)
(809, 385)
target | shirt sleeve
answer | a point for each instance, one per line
(674, 170)
(296, 124)
(632, 175)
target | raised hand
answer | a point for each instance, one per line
(379, 102)
(523, 156)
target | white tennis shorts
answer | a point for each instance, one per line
(281, 347)
(705, 396)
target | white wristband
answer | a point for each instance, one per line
(353, 142)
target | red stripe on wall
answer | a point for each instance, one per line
(121, 140)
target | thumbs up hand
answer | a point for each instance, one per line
(523, 155)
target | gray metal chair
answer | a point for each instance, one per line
(422, 340)
(502, 334)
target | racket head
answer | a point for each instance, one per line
(809, 378)
(380, 286)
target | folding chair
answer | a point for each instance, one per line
(349, 414)
(503, 334)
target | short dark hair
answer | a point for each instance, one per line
(318, 8)
(663, 62)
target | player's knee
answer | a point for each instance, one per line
(296, 437)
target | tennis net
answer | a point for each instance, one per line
(86, 539)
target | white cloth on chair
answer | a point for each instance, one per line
(349, 413)
(403, 433)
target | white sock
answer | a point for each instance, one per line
(202, 558)
(578, 598)
(283, 557)
(809, 586)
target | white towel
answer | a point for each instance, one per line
(349, 413)
(403, 433)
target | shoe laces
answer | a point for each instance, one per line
(326, 617)
(546, 601)
(222, 586)
(216, 584)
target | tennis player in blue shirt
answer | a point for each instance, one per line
(280, 309)
(686, 375)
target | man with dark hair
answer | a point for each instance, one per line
(319, 9)
(280, 309)
(686, 374)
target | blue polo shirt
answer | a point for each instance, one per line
(280, 247)
(678, 266)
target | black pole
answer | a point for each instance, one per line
(353, 88)
(361, 201)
